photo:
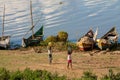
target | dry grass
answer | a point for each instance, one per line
(95, 61)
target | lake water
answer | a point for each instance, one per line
(73, 16)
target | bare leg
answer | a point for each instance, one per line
(71, 65)
(68, 66)
(50, 59)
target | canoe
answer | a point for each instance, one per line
(109, 40)
(86, 42)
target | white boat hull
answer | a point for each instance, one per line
(5, 42)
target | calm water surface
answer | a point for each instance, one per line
(74, 16)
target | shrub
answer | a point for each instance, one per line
(60, 46)
(117, 77)
(111, 76)
(17, 75)
(88, 76)
(73, 45)
(51, 39)
(46, 75)
(56, 77)
(28, 74)
(37, 74)
(4, 74)
(43, 43)
(62, 36)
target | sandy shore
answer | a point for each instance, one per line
(99, 62)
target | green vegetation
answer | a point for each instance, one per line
(28, 74)
(59, 46)
(88, 76)
(4, 74)
(51, 39)
(62, 36)
(111, 76)
(60, 42)
(62, 46)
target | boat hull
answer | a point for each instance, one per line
(85, 43)
(5, 42)
(31, 42)
(107, 45)
(85, 47)
(109, 40)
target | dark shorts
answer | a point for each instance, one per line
(50, 56)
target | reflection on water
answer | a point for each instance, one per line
(73, 16)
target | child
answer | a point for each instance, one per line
(69, 58)
(50, 53)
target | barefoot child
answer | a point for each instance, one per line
(69, 58)
(50, 52)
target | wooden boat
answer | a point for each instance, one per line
(38, 36)
(34, 39)
(4, 40)
(109, 40)
(86, 42)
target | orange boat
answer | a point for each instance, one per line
(109, 40)
(86, 42)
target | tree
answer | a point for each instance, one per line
(51, 39)
(62, 36)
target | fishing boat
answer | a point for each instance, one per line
(35, 38)
(4, 40)
(86, 42)
(38, 36)
(109, 40)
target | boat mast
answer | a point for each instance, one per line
(31, 19)
(3, 21)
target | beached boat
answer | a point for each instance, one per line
(109, 40)
(35, 38)
(4, 40)
(38, 36)
(87, 41)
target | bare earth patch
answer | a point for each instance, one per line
(99, 62)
